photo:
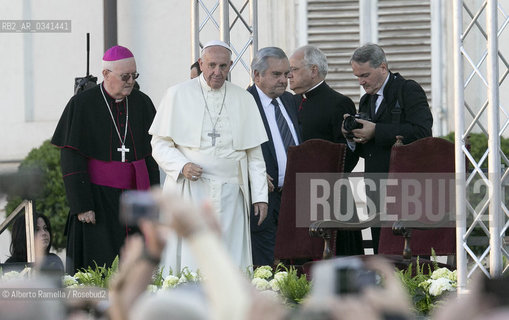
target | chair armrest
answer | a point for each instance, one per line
(404, 228)
(400, 228)
(327, 229)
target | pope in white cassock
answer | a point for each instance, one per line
(206, 136)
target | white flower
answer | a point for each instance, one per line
(274, 284)
(425, 284)
(280, 275)
(441, 273)
(188, 276)
(263, 272)
(170, 282)
(453, 276)
(438, 286)
(193, 276)
(152, 288)
(260, 284)
(68, 281)
(11, 275)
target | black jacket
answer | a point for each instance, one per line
(321, 117)
(269, 152)
(415, 121)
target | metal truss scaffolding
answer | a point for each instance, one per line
(480, 71)
(228, 32)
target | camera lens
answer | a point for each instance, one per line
(350, 123)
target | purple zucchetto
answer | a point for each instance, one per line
(117, 53)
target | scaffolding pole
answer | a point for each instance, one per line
(226, 29)
(459, 127)
(472, 26)
(495, 189)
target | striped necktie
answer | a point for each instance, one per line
(282, 125)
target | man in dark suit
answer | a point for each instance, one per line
(321, 111)
(278, 109)
(395, 106)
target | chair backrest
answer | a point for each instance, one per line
(428, 155)
(312, 156)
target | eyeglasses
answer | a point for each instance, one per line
(126, 76)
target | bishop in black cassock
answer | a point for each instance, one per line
(321, 111)
(105, 149)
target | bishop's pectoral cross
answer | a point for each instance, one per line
(213, 135)
(123, 149)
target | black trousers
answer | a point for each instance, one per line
(263, 237)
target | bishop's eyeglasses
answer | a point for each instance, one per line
(126, 76)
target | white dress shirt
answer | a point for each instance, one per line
(268, 108)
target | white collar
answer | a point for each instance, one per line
(312, 88)
(381, 91)
(207, 88)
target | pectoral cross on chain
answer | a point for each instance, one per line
(123, 149)
(213, 135)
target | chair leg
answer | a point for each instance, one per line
(327, 250)
(451, 260)
(407, 252)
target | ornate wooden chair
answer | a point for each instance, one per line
(312, 156)
(431, 158)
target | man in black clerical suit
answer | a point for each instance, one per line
(321, 111)
(384, 92)
(278, 109)
(105, 149)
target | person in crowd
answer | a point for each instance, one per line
(321, 110)
(43, 239)
(392, 106)
(227, 294)
(195, 69)
(385, 299)
(278, 110)
(105, 149)
(224, 292)
(206, 136)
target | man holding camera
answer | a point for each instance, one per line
(395, 107)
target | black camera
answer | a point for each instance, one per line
(341, 276)
(495, 290)
(353, 280)
(350, 123)
(136, 205)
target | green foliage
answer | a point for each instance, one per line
(52, 201)
(98, 276)
(157, 278)
(421, 300)
(417, 284)
(292, 287)
(477, 198)
(479, 145)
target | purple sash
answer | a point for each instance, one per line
(120, 175)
